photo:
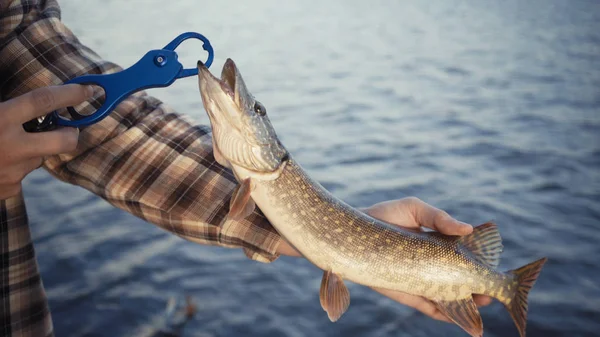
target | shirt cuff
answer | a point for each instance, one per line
(260, 241)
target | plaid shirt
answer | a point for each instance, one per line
(143, 158)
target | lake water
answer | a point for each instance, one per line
(489, 110)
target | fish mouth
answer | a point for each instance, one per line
(229, 74)
(209, 84)
(219, 95)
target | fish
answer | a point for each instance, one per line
(344, 242)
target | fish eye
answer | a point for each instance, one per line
(259, 108)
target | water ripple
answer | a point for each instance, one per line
(488, 110)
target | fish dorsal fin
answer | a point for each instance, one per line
(241, 204)
(334, 295)
(464, 313)
(485, 243)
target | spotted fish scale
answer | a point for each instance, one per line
(335, 236)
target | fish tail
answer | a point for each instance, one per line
(525, 279)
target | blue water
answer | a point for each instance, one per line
(487, 109)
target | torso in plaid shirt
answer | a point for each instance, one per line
(143, 158)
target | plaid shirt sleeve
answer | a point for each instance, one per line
(144, 158)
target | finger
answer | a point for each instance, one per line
(432, 311)
(285, 248)
(8, 191)
(63, 140)
(33, 164)
(427, 308)
(13, 175)
(436, 219)
(416, 302)
(482, 300)
(394, 212)
(41, 101)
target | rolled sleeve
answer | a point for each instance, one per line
(24, 308)
(144, 157)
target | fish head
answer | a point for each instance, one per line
(242, 133)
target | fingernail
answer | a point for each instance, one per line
(89, 91)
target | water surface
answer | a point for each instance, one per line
(489, 110)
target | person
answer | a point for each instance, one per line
(144, 158)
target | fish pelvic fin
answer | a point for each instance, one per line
(485, 243)
(464, 313)
(517, 306)
(334, 295)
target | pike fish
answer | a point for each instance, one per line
(345, 243)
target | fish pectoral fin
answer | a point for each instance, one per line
(241, 204)
(334, 295)
(464, 313)
(485, 243)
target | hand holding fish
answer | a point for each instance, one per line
(413, 213)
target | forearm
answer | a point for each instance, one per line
(143, 158)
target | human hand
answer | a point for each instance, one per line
(412, 213)
(22, 152)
